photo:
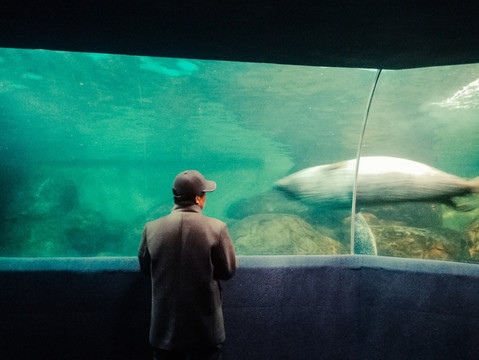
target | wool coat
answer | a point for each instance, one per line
(186, 254)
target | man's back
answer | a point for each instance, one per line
(187, 253)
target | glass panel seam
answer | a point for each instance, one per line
(358, 156)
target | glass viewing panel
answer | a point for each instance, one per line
(425, 124)
(91, 143)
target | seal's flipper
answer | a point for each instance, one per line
(464, 203)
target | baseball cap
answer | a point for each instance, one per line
(191, 183)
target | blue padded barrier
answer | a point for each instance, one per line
(276, 307)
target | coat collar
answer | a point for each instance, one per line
(191, 208)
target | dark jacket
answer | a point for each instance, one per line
(186, 254)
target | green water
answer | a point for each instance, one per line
(91, 143)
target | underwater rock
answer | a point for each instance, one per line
(135, 228)
(89, 234)
(398, 240)
(364, 239)
(55, 195)
(11, 179)
(275, 202)
(414, 214)
(271, 202)
(82, 229)
(34, 219)
(51, 196)
(472, 234)
(457, 220)
(269, 234)
(32, 238)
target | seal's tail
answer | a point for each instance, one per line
(469, 202)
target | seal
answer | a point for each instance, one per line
(381, 179)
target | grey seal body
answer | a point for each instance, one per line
(381, 179)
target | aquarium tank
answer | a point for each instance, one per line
(91, 143)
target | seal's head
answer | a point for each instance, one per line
(191, 183)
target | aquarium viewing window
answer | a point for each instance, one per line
(91, 143)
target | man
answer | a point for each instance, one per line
(186, 254)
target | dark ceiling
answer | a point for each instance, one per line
(350, 33)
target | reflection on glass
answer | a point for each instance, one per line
(426, 122)
(91, 143)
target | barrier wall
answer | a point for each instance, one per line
(276, 307)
